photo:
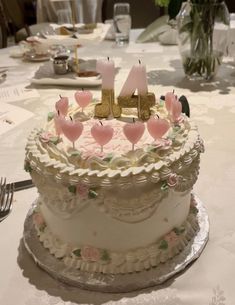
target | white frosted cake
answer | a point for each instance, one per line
(124, 208)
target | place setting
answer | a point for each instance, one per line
(65, 70)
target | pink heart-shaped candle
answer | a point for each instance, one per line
(71, 129)
(57, 121)
(134, 132)
(169, 99)
(62, 106)
(157, 127)
(176, 110)
(83, 98)
(102, 134)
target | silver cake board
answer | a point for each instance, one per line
(117, 283)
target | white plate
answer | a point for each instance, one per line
(45, 76)
(78, 81)
(36, 58)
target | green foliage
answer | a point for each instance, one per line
(162, 2)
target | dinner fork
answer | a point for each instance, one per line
(6, 198)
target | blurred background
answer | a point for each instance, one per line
(22, 18)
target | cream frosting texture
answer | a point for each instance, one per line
(101, 211)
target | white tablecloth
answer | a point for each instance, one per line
(208, 281)
(87, 11)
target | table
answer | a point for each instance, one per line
(208, 281)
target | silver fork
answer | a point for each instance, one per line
(6, 198)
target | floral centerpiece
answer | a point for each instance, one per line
(202, 28)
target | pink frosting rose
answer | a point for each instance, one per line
(172, 180)
(82, 190)
(89, 253)
(87, 154)
(171, 238)
(162, 144)
(45, 137)
(38, 220)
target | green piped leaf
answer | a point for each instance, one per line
(108, 157)
(161, 102)
(72, 189)
(163, 244)
(164, 187)
(105, 255)
(27, 167)
(75, 153)
(92, 194)
(55, 140)
(77, 252)
(50, 116)
(176, 128)
(193, 210)
(179, 230)
(42, 227)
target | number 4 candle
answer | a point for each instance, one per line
(137, 79)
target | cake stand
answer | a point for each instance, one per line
(117, 282)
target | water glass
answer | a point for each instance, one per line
(122, 22)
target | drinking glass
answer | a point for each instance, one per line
(122, 22)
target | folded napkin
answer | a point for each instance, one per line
(159, 30)
(98, 34)
(45, 75)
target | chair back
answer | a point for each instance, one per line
(15, 13)
(3, 29)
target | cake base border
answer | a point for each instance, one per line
(116, 282)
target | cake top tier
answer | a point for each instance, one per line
(131, 148)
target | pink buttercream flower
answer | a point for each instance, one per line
(38, 220)
(171, 238)
(89, 253)
(89, 154)
(172, 180)
(82, 190)
(45, 137)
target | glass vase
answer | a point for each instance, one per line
(203, 37)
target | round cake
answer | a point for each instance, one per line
(115, 194)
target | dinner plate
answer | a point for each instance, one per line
(29, 56)
(45, 75)
(63, 81)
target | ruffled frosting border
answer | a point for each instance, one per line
(88, 258)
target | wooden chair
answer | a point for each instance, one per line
(14, 10)
(3, 29)
(231, 5)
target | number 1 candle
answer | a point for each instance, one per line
(107, 70)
